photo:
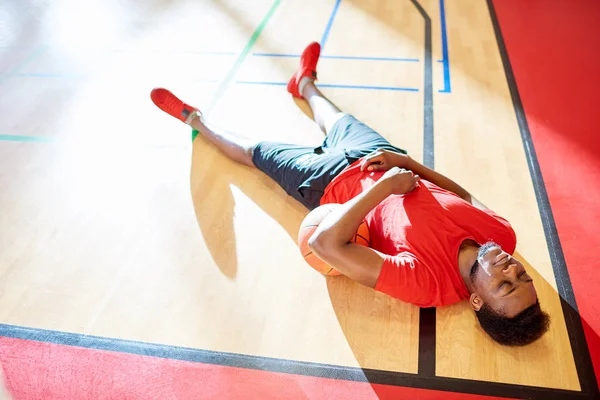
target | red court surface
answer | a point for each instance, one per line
(76, 373)
(553, 48)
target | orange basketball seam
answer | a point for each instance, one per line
(362, 237)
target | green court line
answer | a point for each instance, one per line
(238, 62)
(19, 138)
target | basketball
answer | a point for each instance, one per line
(308, 227)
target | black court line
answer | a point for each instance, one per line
(427, 316)
(583, 361)
(286, 366)
(428, 145)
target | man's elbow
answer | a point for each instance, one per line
(320, 244)
(315, 243)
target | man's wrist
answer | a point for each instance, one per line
(409, 163)
(382, 189)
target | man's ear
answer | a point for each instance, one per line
(476, 302)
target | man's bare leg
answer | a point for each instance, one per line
(302, 85)
(324, 111)
(239, 148)
(235, 146)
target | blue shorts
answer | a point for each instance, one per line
(304, 172)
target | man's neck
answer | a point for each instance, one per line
(467, 255)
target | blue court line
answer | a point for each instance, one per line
(374, 58)
(328, 27)
(403, 89)
(19, 138)
(340, 57)
(445, 60)
(334, 86)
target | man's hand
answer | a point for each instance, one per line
(399, 181)
(383, 160)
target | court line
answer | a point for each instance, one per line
(374, 58)
(22, 138)
(401, 59)
(330, 23)
(427, 316)
(328, 85)
(577, 338)
(368, 87)
(304, 368)
(445, 59)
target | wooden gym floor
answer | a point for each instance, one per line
(120, 234)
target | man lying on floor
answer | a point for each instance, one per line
(432, 243)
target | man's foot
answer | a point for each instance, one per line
(307, 69)
(169, 103)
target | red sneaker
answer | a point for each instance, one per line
(169, 103)
(308, 67)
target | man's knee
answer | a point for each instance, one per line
(250, 156)
(329, 122)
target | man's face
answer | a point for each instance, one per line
(501, 282)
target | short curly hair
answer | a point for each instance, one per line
(524, 328)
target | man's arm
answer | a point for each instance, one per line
(330, 242)
(443, 182)
(384, 160)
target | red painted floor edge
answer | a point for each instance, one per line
(37, 370)
(553, 46)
